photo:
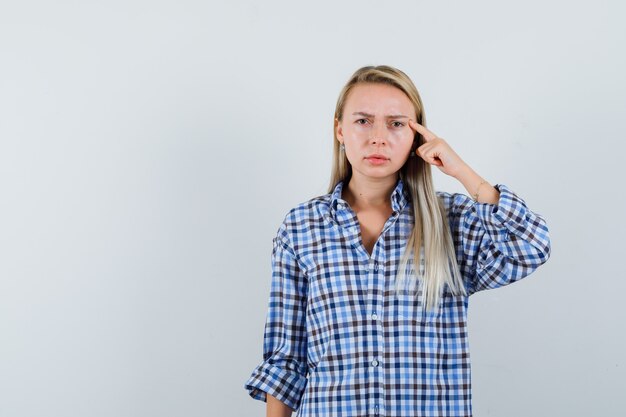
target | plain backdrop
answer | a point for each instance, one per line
(150, 149)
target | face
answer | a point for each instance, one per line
(375, 122)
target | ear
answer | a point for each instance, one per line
(338, 131)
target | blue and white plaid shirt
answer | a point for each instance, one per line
(338, 341)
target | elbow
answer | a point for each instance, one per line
(546, 253)
(544, 249)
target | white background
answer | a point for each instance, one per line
(150, 149)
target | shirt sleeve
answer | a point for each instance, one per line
(498, 243)
(283, 370)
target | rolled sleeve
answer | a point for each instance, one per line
(501, 243)
(283, 370)
(285, 385)
(511, 216)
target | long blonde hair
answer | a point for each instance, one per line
(431, 230)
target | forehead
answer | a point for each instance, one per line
(378, 98)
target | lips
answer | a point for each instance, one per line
(377, 159)
(376, 156)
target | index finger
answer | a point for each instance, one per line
(427, 134)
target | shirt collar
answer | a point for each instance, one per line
(399, 197)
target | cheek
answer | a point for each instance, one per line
(356, 131)
(405, 148)
(404, 140)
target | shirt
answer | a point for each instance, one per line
(338, 341)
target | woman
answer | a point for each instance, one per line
(352, 328)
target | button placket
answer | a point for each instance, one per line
(375, 293)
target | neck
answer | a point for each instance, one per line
(369, 192)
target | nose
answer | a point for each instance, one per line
(379, 134)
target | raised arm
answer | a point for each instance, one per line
(497, 244)
(499, 239)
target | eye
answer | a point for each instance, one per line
(398, 124)
(357, 121)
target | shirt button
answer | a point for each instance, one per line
(375, 265)
(374, 362)
(374, 316)
(376, 409)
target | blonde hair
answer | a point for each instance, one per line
(431, 231)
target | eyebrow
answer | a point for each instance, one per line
(390, 116)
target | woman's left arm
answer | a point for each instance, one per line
(501, 242)
(501, 239)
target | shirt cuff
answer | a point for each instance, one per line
(511, 210)
(286, 385)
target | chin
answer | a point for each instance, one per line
(378, 172)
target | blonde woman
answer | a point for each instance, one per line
(355, 326)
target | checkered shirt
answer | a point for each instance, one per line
(338, 340)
